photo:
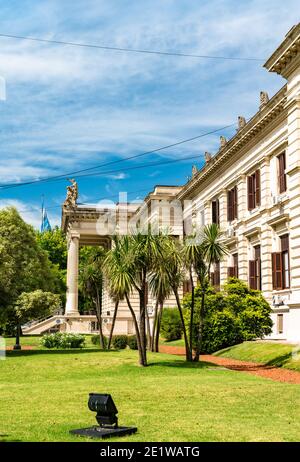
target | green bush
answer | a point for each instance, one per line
(132, 342)
(119, 342)
(95, 339)
(63, 340)
(233, 315)
(170, 324)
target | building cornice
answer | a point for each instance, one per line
(243, 137)
(287, 56)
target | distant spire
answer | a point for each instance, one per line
(45, 226)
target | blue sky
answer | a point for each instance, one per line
(69, 108)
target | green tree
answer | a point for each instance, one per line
(24, 265)
(34, 305)
(232, 315)
(201, 251)
(54, 242)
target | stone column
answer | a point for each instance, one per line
(223, 226)
(72, 275)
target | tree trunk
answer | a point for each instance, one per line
(99, 317)
(200, 328)
(143, 324)
(157, 333)
(137, 333)
(154, 326)
(192, 311)
(148, 336)
(113, 324)
(17, 345)
(188, 354)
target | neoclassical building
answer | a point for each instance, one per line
(251, 187)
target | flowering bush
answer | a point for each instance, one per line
(63, 340)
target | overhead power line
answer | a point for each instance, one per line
(78, 172)
(129, 50)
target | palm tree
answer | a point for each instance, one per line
(172, 261)
(113, 322)
(91, 281)
(160, 290)
(121, 272)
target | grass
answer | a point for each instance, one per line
(265, 352)
(176, 343)
(43, 394)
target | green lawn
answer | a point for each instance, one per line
(43, 394)
(266, 352)
(179, 342)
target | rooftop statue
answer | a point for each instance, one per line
(207, 156)
(72, 195)
(264, 98)
(223, 141)
(194, 170)
(241, 122)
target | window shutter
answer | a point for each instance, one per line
(252, 274)
(282, 175)
(235, 203)
(218, 211)
(215, 211)
(212, 279)
(250, 193)
(277, 270)
(229, 206)
(257, 188)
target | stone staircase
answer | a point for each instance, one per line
(43, 325)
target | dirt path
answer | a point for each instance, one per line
(270, 372)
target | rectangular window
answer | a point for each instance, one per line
(285, 261)
(281, 265)
(254, 190)
(233, 271)
(255, 270)
(281, 173)
(232, 205)
(280, 324)
(215, 212)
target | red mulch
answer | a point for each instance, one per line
(25, 347)
(270, 372)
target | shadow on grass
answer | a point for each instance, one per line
(182, 364)
(15, 353)
(279, 361)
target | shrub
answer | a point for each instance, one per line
(170, 324)
(63, 340)
(233, 315)
(95, 339)
(132, 342)
(119, 342)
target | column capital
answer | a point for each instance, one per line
(73, 235)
